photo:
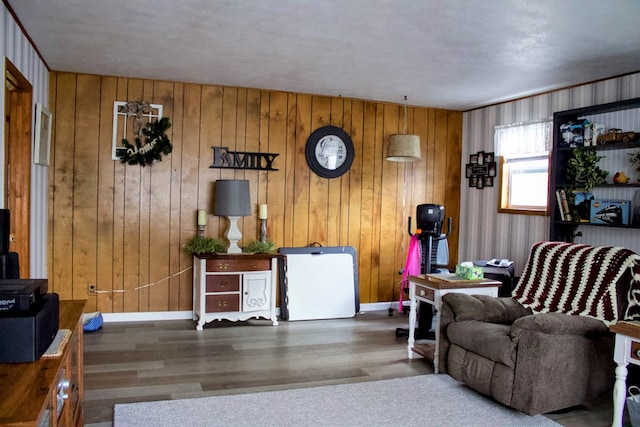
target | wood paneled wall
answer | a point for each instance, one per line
(122, 227)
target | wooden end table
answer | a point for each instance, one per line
(430, 288)
(627, 350)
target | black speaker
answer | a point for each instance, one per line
(9, 266)
(25, 336)
(5, 226)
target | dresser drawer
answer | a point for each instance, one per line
(222, 302)
(223, 265)
(424, 292)
(223, 283)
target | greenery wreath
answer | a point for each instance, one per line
(156, 144)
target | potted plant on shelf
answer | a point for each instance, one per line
(259, 247)
(634, 159)
(199, 245)
(583, 170)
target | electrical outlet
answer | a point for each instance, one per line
(92, 289)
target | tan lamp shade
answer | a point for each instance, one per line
(403, 148)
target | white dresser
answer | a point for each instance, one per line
(234, 287)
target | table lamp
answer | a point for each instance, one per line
(231, 199)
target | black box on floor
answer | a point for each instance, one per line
(26, 335)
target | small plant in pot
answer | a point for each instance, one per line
(634, 159)
(259, 247)
(583, 171)
(199, 245)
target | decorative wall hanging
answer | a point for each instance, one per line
(151, 141)
(42, 147)
(329, 152)
(225, 159)
(481, 170)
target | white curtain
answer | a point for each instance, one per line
(523, 139)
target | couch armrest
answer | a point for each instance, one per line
(558, 324)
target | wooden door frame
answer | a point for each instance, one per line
(17, 166)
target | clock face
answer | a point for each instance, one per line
(329, 152)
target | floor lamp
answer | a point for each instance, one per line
(232, 200)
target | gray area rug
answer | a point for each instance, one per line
(427, 400)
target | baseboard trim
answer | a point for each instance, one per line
(186, 315)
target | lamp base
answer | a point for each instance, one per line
(233, 235)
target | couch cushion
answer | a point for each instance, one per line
(490, 340)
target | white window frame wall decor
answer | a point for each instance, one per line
(121, 123)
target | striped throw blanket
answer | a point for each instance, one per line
(581, 280)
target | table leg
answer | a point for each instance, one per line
(412, 325)
(619, 394)
(436, 351)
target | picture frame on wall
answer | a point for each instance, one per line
(481, 170)
(42, 138)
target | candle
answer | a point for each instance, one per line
(202, 217)
(262, 213)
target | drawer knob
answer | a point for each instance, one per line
(223, 284)
(255, 266)
(638, 353)
(223, 266)
(223, 303)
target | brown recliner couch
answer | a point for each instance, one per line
(547, 347)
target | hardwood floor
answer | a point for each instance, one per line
(144, 361)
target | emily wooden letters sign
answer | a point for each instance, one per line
(223, 158)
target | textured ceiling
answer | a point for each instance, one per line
(454, 54)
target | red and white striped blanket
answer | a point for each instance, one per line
(581, 280)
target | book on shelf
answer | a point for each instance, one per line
(564, 205)
(559, 199)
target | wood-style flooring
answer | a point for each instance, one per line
(145, 361)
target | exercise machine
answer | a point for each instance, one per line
(434, 258)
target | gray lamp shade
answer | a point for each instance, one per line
(232, 198)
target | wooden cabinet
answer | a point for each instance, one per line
(49, 391)
(234, 287)
(624, 115)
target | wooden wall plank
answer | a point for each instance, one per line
(180, 263)
(194, 113)
(103, 301)
(302, 173)
(62, 189)
(132, 225)
(319, 187)
(138, 219)
(160, 213)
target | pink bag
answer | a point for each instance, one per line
(412, 266)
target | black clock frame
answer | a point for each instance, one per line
(310, 152)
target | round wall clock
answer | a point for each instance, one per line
(329, 152)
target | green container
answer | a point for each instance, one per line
(469, 273)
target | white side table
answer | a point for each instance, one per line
(627, 350)
(430, 288)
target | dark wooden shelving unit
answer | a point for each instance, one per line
(565, 230)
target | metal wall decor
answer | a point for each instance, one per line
(481, 170)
